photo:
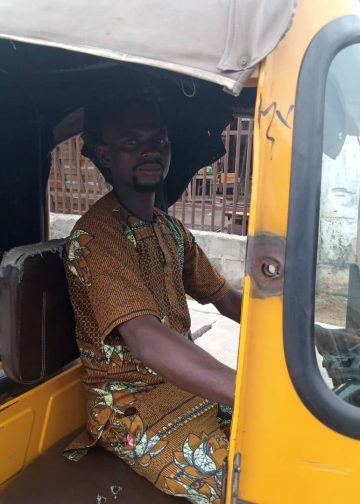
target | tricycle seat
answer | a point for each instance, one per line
(99, 478)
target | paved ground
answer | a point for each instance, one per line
(214, 333)
(220, 336)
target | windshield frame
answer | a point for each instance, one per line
(301, 247)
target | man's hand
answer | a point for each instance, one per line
(178, 360)
(230, 305)
(335, 341)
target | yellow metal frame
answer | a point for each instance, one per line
(32, 422)
(287, 455)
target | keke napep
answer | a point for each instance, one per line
(296, 70)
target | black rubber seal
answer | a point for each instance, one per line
(303, 224)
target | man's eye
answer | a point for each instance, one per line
(162, 141)
(130, 142)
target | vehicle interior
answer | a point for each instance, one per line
(43, 91)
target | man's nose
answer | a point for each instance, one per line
(151, 151)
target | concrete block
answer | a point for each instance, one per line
(337, 239)
(226, 252)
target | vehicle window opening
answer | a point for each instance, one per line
(321, 293)
(217, 198)
(337, 300)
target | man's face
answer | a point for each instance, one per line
(137, 150)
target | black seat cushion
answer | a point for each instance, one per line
(98, 478)
(37, 328)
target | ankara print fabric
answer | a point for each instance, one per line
(118, 268)
(179, 446)
(76, 256)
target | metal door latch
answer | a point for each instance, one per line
(235, 486)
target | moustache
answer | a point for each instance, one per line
(157, 161)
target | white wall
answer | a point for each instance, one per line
(340, 194)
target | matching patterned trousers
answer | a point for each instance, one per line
(178, 441)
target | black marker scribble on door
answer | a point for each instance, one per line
(272, 109)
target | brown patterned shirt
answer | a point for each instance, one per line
(118, 268)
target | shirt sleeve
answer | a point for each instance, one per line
(202, 281)
(107, 266)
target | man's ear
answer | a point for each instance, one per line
(102, 152)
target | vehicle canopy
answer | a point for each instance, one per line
(56, 57)
(219, 41)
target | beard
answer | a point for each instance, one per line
(147, 187)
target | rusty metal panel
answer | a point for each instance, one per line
(265, 259)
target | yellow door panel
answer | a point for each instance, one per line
(14, 441)
(62, 414)
(286, 455)
(35, 420)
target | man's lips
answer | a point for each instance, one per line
(151, 167)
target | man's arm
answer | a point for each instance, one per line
(178, 360)
(230, 305)
(335, 341)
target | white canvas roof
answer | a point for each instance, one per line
(217, 40)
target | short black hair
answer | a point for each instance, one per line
(109, 105)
